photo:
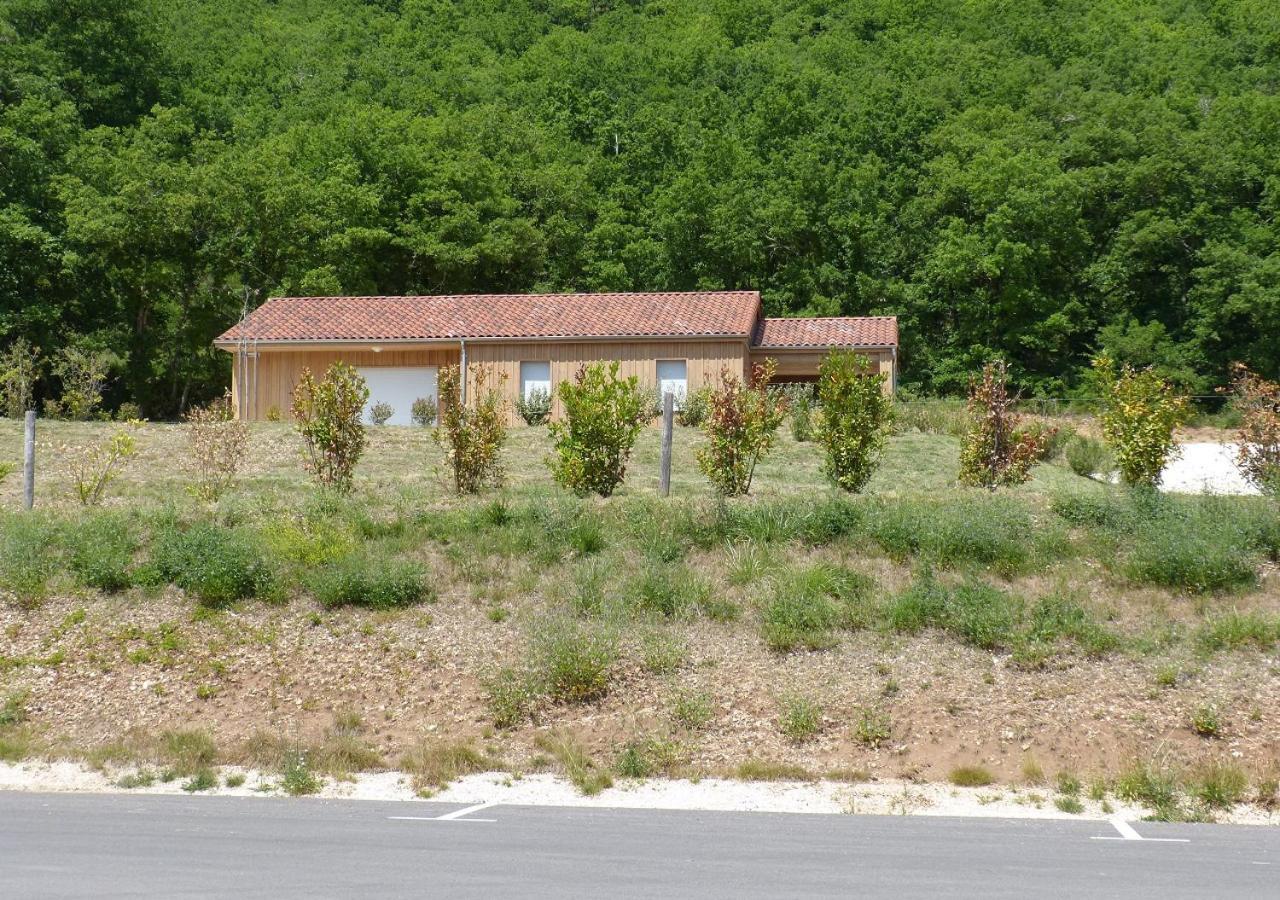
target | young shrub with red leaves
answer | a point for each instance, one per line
(994, 451)
(741, 428)
(1259, 454)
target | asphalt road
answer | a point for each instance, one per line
(62, 845)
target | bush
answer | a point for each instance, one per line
(856, 415)
(372, 582)
(807, 606)
(1139, 414)
(695, 407)
(535, 409)
(993, 450)
(1088, 457)
(573, 661)
(1259, 439)
(216, 565)
(1052, 440)
(327, 415)
(423, 412)
(217, 442)
(19, 372)
(92, 467)
(381, 412)
(741, 428)
(603, 416)
(471, 435)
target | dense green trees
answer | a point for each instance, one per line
(1038, 180)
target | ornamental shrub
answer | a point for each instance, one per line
(1259, 439)
(535, 409)
(83, 374)
(856, 415)
(1139, 414)
(92, 467)
(328, 414)
(217, 441)
(741, 428)
(381, 412)
(423, 412)
(471, 435)
(993, 449)
(603, 416)
(693, 411)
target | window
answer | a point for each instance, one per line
(535, 376)
(673, 376)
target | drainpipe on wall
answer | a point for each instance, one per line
(462, 373)
(893, 380)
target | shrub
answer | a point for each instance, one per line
(694, 408)
(993, 450)
(741, 428)
(423, 412)
(573, 661)
(535, 408)
(1139, 414)
(799, 718)
(327, 415)
(1087, 456)
(373, 582)
(19, 372)
(1258, 454)
(83, 373)
(381, 412)
(808, 605)
(1051, 440)
(215, 564)
(217, 441)
(603, 416)
(856, 415)
(471, 435)
(92, 467)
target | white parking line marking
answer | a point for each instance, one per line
(1128, 833)
(458, 815)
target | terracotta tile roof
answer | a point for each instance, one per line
(501, 316)
(844, 331)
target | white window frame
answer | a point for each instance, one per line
(680, 385)
(528, 384)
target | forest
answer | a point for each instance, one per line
(1033, 181)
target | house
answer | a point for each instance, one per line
(676, 341)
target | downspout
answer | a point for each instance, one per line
(462, 372)
(893, 380)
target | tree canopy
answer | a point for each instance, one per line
(1036, 181)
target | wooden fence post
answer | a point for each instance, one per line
(668, 420)
(29, 462)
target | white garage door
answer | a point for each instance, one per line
(398, 386)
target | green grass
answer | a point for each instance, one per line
(970, 776)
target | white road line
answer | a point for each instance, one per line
(459, 813)
(1128, 833)
(456, 816)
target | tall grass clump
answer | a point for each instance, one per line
(216, 565)
(572, 661)
(669, 591)
(1180, 553)
(27, 557)
(372, 581)
(101, 551)
(807, 606)
(975, 612)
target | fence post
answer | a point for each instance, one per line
(29, 462)
(668, 419)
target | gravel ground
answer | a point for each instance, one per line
(1206, 467)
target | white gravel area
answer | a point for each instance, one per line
(1205, 467)
(884, 797)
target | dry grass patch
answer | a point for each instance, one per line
(434, 764)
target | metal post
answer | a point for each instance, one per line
(29, 462)
(668, 419)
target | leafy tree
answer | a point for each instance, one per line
(471, 435)
(994, 451)
(328, 415)
(1140, 411)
